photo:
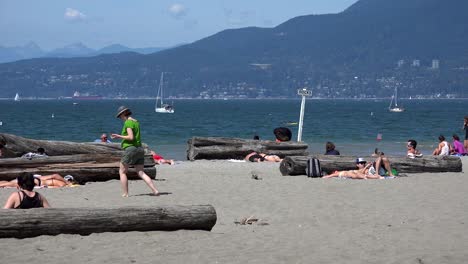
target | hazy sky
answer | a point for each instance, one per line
(143, 23)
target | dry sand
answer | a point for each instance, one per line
(422, 218)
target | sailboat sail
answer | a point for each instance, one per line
(160, 106)
(17, 98)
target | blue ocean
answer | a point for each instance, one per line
(356, 127)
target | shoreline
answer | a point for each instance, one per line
(327, 220)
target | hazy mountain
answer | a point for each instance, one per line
(353, 52)
(32, 50)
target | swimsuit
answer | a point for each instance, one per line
(29, 202)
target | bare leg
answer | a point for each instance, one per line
(465, 143)
(12, 183)
(378, 164)
(123, 178)
(141, 173)
(386, 163)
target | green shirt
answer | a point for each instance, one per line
(135, 126)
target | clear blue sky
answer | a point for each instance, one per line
(143, 23)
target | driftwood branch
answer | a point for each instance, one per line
(236, 148)
(85, 221)
(297, 165)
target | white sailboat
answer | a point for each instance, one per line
(17, 98)
(160, 106)
(393, 107)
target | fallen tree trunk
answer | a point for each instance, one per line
(85, 221)
(236, 148)
(297, 165)
(20, 145)
(80, 158)
(81, 172)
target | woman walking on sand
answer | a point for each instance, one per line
(134, 154)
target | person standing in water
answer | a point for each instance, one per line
(134, 154)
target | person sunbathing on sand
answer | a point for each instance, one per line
(158, 159)
(361, 173)
(259, 157)
(49, 181)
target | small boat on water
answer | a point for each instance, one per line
(160, 106)
(17, 98)
(393, 107)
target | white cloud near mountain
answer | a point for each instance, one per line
(74, 15)
(178, 10)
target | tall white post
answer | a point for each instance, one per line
(302, 92)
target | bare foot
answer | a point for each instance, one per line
(155, 194)
(125, 195)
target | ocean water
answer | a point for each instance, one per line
(353, 125)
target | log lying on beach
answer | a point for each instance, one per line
(20, 145)
(297, 165)
(81, 172)
(237, 148)
(85, 221)
(80, 158)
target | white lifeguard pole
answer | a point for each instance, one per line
(302, 92)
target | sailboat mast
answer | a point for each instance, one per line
(396, 96)
(161, 83)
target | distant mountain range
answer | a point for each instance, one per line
(32, 50)
(367, 50)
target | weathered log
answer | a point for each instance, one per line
(297, 165)
(20, 145)
(80, 158)
(236, 148)
(82, 172)
(85, 221)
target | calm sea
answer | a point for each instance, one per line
(353, 125)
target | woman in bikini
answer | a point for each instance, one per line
(49, 181)
(361, 173)
(254, 156)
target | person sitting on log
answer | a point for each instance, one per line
(26, 198)
(443, 148)
(282, 134)
(254, 156)
(412, 151)
(330, 149)
(158, 159)
(103, 139)
(361, 173)
(47, 181)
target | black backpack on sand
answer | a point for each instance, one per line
(313, 169)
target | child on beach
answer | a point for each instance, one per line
(134, 154)
(26, 198)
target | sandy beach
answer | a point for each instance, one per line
(421, 218)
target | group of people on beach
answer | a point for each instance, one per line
(457, 147)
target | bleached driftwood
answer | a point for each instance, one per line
(297, 165)
(237, 148)
(85, 221)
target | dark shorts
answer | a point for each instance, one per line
(133, 156)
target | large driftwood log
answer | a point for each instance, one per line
(236, 148)
(297, 165)
(82, 172)
(85, 221)
(20, 145)
(80, 158)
